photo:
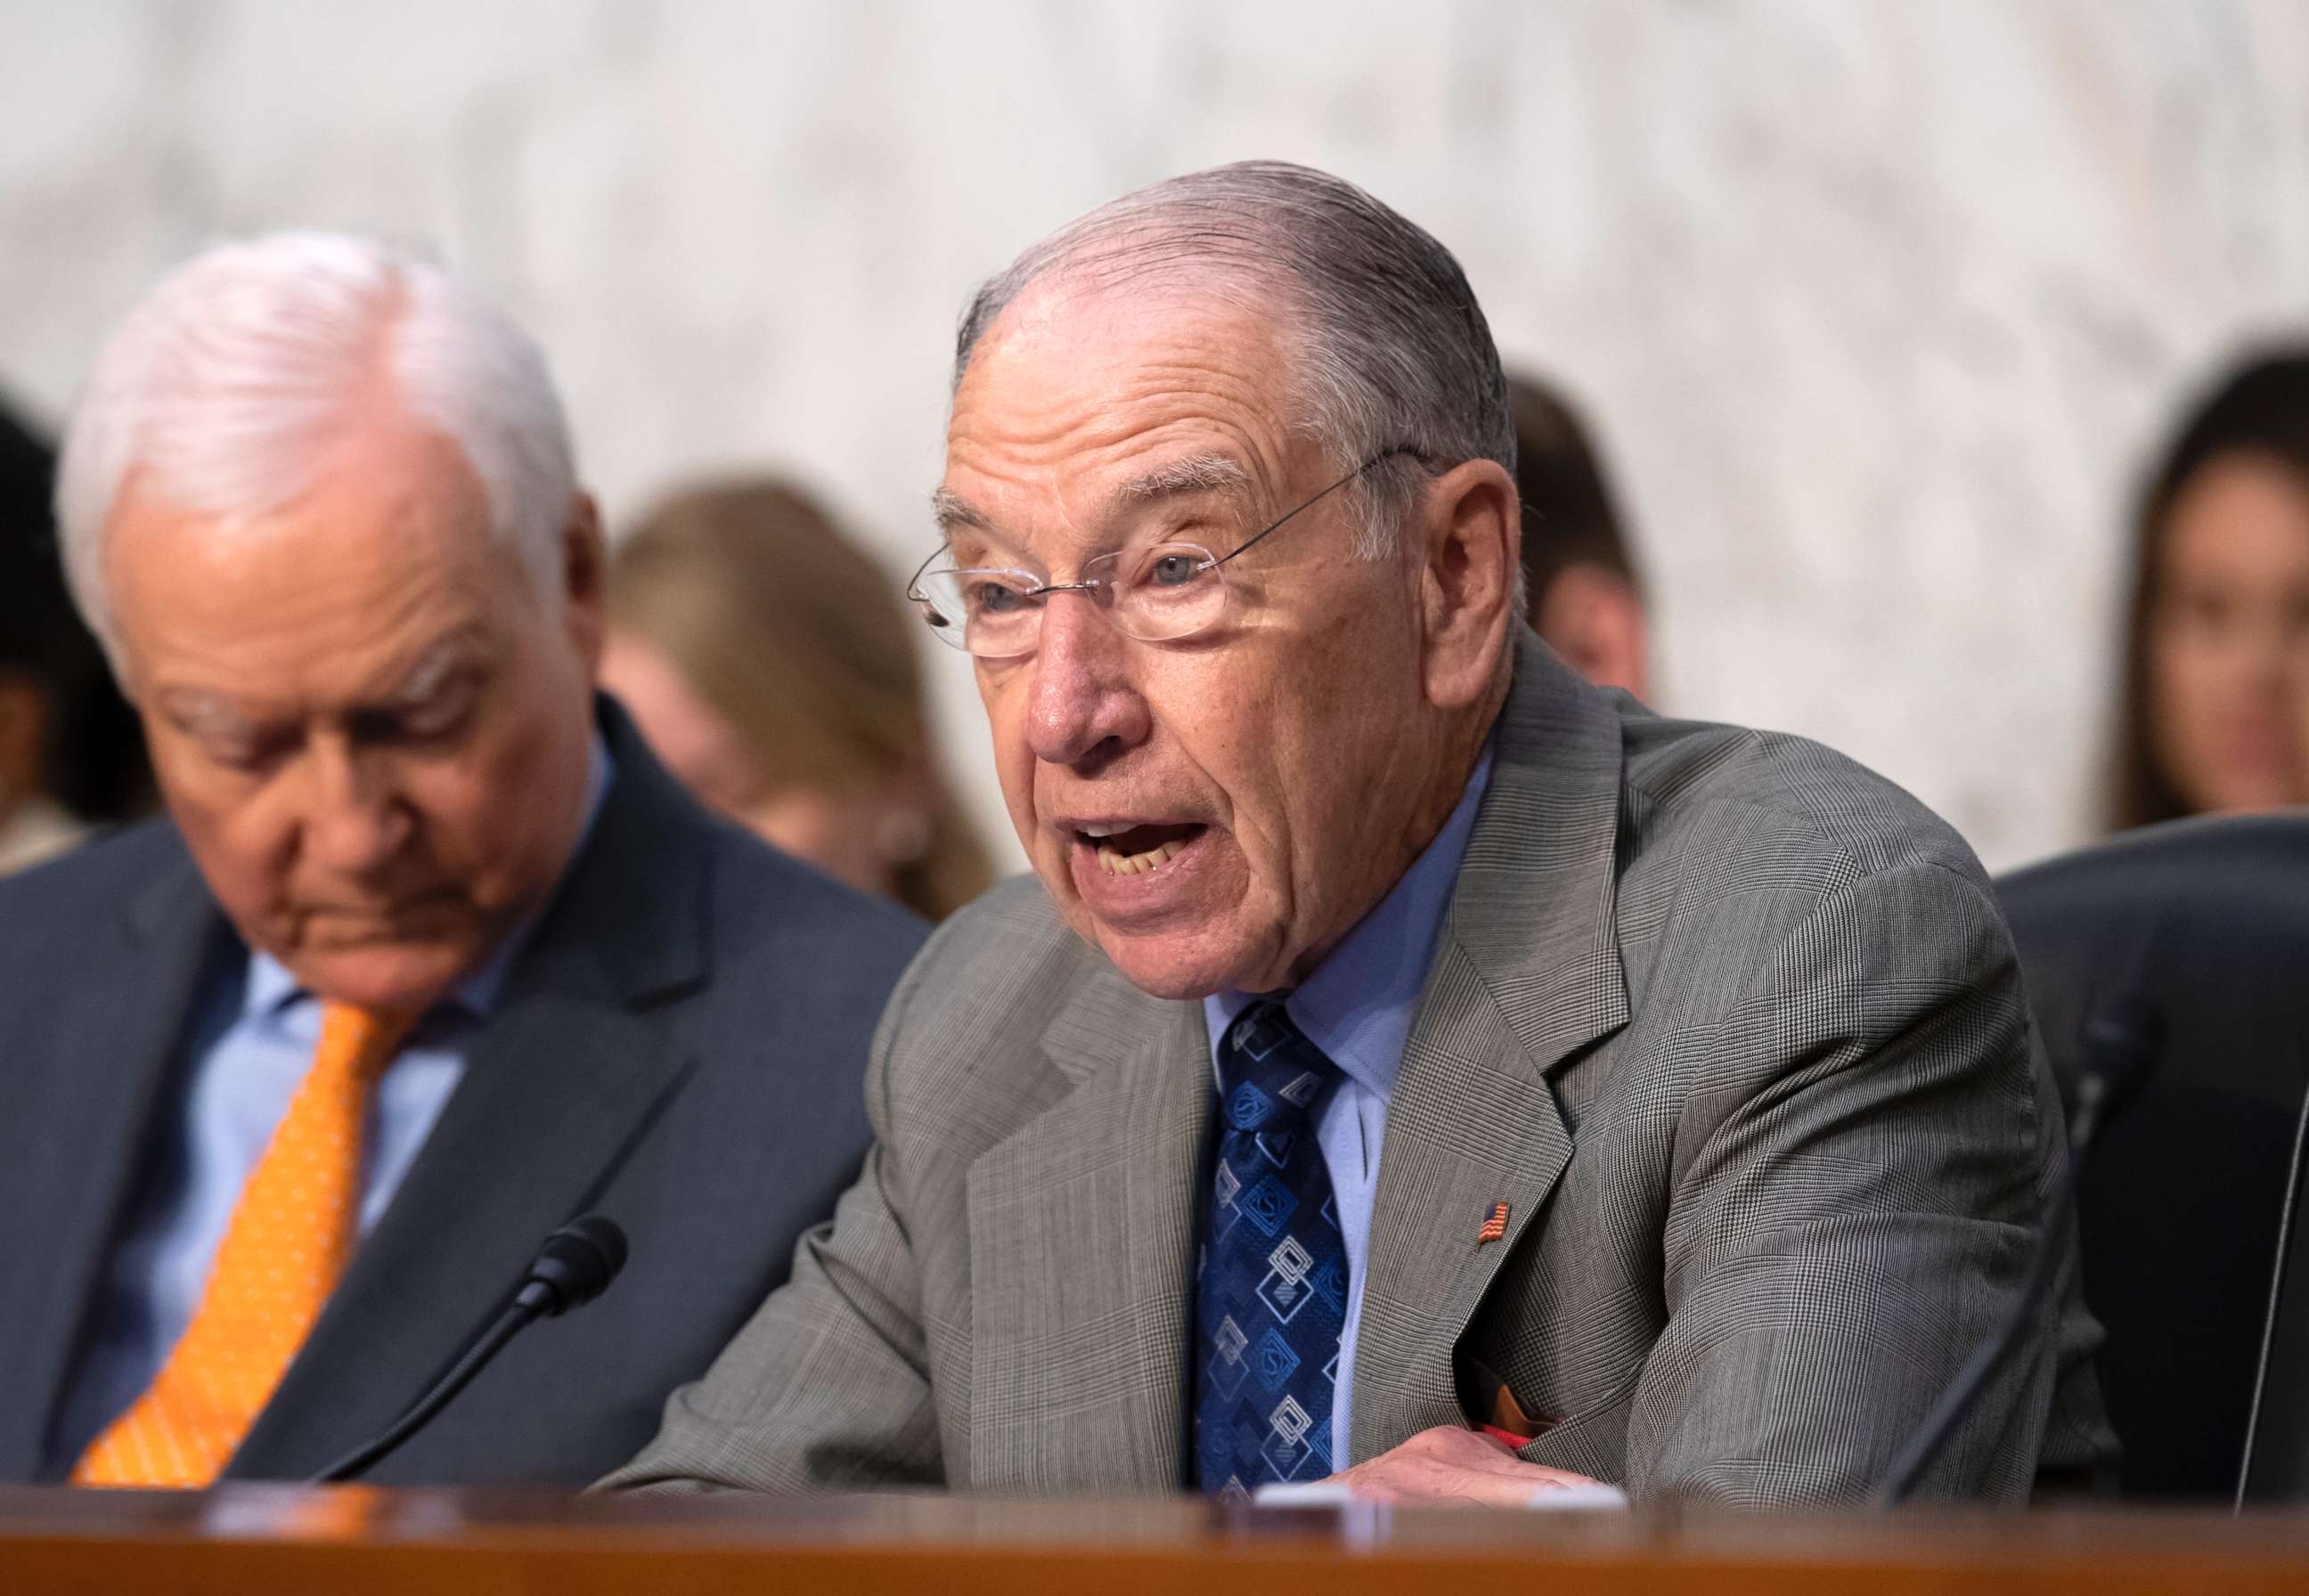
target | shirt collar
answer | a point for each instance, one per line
(272, 987)
(1358, 1005)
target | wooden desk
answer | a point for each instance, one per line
(254, 1540)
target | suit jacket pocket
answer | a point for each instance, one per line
(1488, 1403)
(1593, 1442)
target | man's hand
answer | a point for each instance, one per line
(1451, 1466)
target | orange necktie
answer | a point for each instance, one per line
(290, 1234)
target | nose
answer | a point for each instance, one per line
(1082, 706)
(356, 820)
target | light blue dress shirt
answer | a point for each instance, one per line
(1357, 1007)
(252, 1040)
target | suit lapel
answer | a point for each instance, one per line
(70, 1172)
(1082, 1227)
(552, 1095)
(558, 1083)
(1525, 975)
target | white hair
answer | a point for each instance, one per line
(1392, 348)
(225, 384)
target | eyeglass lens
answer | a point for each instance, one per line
(1156, 594)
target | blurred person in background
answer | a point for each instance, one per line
(770, 662)
(1582, 591)
(71, 756)
(2214, 697)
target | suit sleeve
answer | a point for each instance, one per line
(1867, 1152)
(827, 1386)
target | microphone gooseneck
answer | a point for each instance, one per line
(573, 1266)
(2118, 1054)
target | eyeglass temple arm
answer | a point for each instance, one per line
(1276, 525)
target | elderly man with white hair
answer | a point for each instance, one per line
(428, 955)
(1415, 1065)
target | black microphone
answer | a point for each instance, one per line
(2119, 1049)
(573, 1266)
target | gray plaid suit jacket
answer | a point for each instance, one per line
(1730, 1025)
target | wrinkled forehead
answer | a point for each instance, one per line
(1081, 408)
(388, 543)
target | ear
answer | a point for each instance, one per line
(1472, 535)
(1590, 615)
(585, 558)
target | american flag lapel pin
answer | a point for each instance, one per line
(1495, 1224)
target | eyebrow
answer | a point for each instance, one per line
(205, 710)
(1178, 478)
(1184, 479)
(433, 669)
(951, 511)
(206, 713)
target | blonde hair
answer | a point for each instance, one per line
(798, 638)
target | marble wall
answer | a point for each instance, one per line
(1878, 304)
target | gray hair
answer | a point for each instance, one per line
(1392, 348)
(223, 388)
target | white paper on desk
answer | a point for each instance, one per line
(1592, 1498)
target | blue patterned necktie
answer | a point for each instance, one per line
(1271, 1291)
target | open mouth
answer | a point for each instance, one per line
(1136, 850)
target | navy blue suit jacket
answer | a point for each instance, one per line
(680, 1046)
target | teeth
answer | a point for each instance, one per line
(1100, 830)
(1116, 863)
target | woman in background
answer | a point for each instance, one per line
(72, 757)
(1580, 582)
(770, 662)
(2214, 700)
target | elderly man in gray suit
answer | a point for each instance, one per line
(1413, 1065)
